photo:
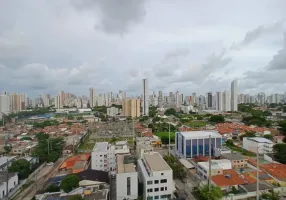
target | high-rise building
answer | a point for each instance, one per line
(16, 102)
(219, 101)
(91, 97)
(58, 101)
(131, 107)
(233, 98)
(145, 98)
(4, 103)
(226, 101)
(209, 99)
(46, 100)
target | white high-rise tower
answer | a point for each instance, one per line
(233, 98)
(145, 98)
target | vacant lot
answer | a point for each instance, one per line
(165, 134)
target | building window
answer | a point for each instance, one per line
(156, 189)
(162, 189)
(156, 197)
(162, 174)
(165, 188)
(149, 182)
(164, 181)
(128, 186)
(150, 190)
(156, 181)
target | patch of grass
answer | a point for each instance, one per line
(165, 134)
(197, 124)
(239, 149)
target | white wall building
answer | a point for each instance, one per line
(4, 103)
(226, 101)
(196, 143)
(258, 144)
(126, 178)
(219, 101)
(103, 156)
(112, 111)
(186, 109)
(217, 167)
(12, 183)
(156, 176)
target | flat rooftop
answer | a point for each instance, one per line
(100, 146)
(216, 164)
(156, 162)
(4, 159)
(233, 156)
(125, 164)
(200, 134)
(260, 140)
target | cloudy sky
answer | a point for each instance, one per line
(186, 45)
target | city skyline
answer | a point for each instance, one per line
(201, 48)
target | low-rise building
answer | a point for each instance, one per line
(227, 180)
(217, 167)
(143, 148)
(237, 160)
(126, 178)
(258, 144)
(6, 160)
(12, 183)
(112, 111)
(156, 176)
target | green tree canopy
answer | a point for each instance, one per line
(26, 138)
(272, 195)
(179, 171)
(53, 188)
(170, 111)
(268, 136)
(69, 183)
(214, 194)
(7, 148)
(280, 152)
(217, 119)
(21, 166)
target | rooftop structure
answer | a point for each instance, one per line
(234, 156)
(227, 179)
(260, 140)
(125, 164)
(156, 162)
(200, 134)
(100, 146)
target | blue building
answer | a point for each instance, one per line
(197, 143)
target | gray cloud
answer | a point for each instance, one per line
(279, 60)
(115, 16)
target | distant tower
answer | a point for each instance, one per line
(233, 97)
(91, 97)
(145, 98)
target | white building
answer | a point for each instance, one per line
(186, 109)
(126, 178)
(91, 97)
(196, 143)
(226, 101)
(156, 176)
(233, 98)
(145, 98)
(103, 156)
(219, 101)
(112, 111)
(217, 167)
(4, 103)
(12, 183)
(258, 144)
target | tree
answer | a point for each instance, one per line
(279, 151)
(76, 197)
(217, 119)
(26, 138)
(272, 195)
(179, 171)
(53, 188)
(214, 194)
(282, 126)
(247, 134)
(170, 111)
(69, 183)
(268, 136)
(7, 148)
(21, 166)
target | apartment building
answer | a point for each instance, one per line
(112, 111)
(156, 176)
(12, 183)
(103, 156)
(258, 144)
(131, 108)
(126, 178)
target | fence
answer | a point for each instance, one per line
(21, 186)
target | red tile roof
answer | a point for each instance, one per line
(228, 178)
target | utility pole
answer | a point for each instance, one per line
(48, 146)
(210, 163)
(169, 139)
(257, 174)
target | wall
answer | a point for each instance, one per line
(121, 186)
(12, 183)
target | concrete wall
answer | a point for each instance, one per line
(121, 186)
